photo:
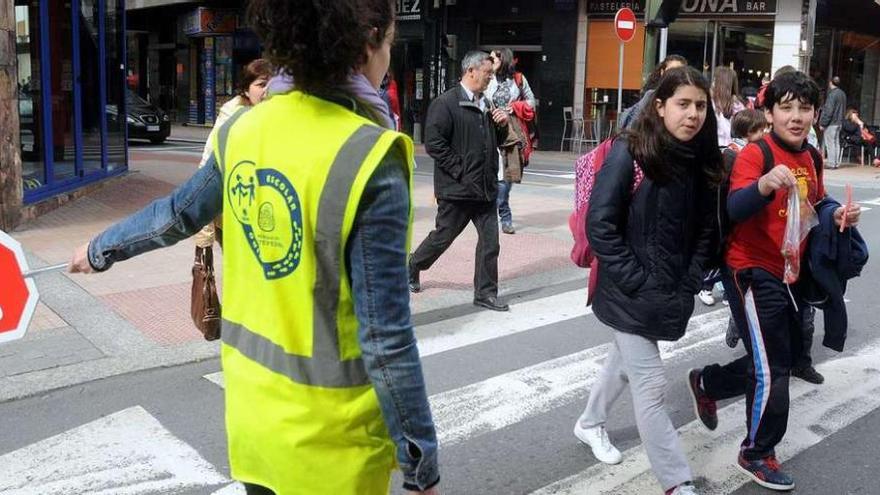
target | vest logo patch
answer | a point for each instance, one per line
(267, 207)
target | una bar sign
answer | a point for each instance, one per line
(689, 8)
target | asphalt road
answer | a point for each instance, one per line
(505, 391)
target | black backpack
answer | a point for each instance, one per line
(729, 157)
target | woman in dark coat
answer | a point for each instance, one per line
(652, 246)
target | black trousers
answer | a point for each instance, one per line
(452, 218)
(257, 490)
(770, 329)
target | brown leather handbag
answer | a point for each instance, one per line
(205, 304)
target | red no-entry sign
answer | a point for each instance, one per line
(625, 24)
(18, 296)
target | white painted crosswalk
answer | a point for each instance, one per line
(131, 452)
(851, 390)
(126, 453)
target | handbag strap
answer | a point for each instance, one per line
(205, 257)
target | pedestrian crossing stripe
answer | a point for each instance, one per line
(126, 452)
(469, 412)
(851, 390)
(873, 202)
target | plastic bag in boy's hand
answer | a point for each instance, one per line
(801, 219)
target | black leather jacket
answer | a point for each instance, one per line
(463, 141)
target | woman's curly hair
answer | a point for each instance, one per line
(319, 42)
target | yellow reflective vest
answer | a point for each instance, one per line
(301, 414)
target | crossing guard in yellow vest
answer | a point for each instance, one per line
(301, 414)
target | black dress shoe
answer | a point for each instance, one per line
(491, 303)
(809, 375)
(414, 284)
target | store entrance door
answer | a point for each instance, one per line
(745, 46)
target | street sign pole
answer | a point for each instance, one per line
(652, 7)
(664, 38)
(625, 29)
(45, 269)
(620, 82)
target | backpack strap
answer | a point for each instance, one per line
(768, 158)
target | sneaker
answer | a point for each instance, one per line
(808, 374)
(731, 338)
(766, 472)
(683, 489)
(507, 228)
(706, 297)
(704, 407)
(597, 438)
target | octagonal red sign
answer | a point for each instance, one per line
(19, 296)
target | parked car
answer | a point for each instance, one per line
(145, 120)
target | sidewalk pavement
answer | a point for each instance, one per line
(199, 134)
(136, 316)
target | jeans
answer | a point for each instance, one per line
(832, 145)
(504, 188)
(636, 360)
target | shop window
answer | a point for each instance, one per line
(90, 89)
(61, 85)
(114, 39)
(30, 100)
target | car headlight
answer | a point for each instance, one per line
(130, 119)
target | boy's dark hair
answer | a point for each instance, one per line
(791, 86)
(746, 122)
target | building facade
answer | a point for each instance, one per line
(755, 38)
(68, 60)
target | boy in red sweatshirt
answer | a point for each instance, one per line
(764, 307)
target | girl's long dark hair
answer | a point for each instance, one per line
(507, 68)
(650, 142)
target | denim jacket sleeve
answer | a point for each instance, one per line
(376, 257)
(163, 222)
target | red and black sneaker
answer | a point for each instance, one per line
(766, 472)
(704, 407)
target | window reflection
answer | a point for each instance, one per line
(30, 101)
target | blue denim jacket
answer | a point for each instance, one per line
(376, 259)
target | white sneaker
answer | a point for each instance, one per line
(707, 297)
(597, 438)
(685, 489)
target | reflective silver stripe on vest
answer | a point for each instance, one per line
(223, 136)
(324, 368)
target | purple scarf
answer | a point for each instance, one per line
(357, 84)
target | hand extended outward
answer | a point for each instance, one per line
(853, 212)
(79, 263)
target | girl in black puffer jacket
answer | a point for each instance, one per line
(652, 247)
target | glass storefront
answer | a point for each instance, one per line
(744, 46)
(70, 79)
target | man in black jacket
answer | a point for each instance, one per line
(462, 134)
